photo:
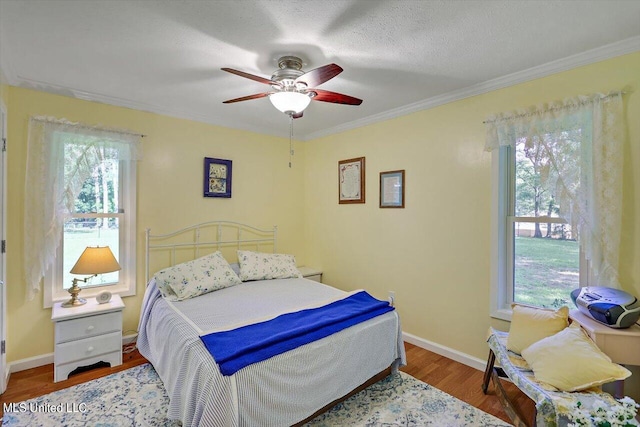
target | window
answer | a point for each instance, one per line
(94, 180)
(101, 216)
(557, 197)
(540, 250)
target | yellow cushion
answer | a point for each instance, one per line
(570, 361)
(531, 324)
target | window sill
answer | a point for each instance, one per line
(502, 314)
(122, 290)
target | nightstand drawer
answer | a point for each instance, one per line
(82, 349)
(85, 327)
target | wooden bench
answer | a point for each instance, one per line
(552, 406)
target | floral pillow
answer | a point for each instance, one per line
(263, 266)
(200, 276)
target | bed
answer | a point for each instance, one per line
(286, 389)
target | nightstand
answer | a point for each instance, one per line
(311, 273)
(621, 345)
(86, 335)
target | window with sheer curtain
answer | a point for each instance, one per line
(557, 180)
(80, 191)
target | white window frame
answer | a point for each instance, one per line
(126, 286)
(502, 219)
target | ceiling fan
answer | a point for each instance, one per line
(293, 89)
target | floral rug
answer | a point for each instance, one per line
(136, 397)
(402, 400)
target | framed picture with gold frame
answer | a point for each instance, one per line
(351, 181)
(392, 189)
(217, 177)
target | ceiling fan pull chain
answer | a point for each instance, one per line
(290, 138)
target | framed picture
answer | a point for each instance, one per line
(392, 189)
(217, 177)
(351, 180)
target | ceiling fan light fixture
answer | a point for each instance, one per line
(290, 102)
(293, 89)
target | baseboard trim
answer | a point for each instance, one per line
(458, 356)
(30, 362)
(129, 339)
(442, 350)
(46, 359)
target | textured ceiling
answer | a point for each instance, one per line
(398, 56)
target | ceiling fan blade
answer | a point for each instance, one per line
(336, 98)
(319, 75)
(250, 76)
(247, 98)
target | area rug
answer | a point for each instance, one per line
(136, 397)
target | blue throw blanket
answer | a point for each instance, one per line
(237, 348)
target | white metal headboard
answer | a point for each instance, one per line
(190, 238)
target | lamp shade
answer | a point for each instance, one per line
(98, 260)
(290, 102)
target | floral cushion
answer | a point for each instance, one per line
(200, 276)
(554, 407)
(263, 266)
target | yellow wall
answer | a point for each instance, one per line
(435, 253)
(265, 193)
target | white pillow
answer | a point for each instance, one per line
(263, 266)
(200, 276)
(570, 361)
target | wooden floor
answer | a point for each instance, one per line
(447, 375)
(463, 382)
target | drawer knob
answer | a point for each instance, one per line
(90, 349)
(90, 328)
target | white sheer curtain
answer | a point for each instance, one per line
(583, 139)
(51, 188)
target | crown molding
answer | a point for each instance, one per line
(127, 103)
(106, 99)
(612, 50)
(5, 75)
(602, 53)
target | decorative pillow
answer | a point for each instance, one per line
(200, 276)
(263, 266)
(570, 361)
(531, 324)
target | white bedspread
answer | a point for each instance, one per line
(279, 391)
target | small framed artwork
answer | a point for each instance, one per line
(217, 177)
(392, 189)
(351, 181)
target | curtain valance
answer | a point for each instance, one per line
(582, 139)
(61, 155)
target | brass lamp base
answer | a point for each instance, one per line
(74, 301)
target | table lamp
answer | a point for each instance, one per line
(93, 261)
